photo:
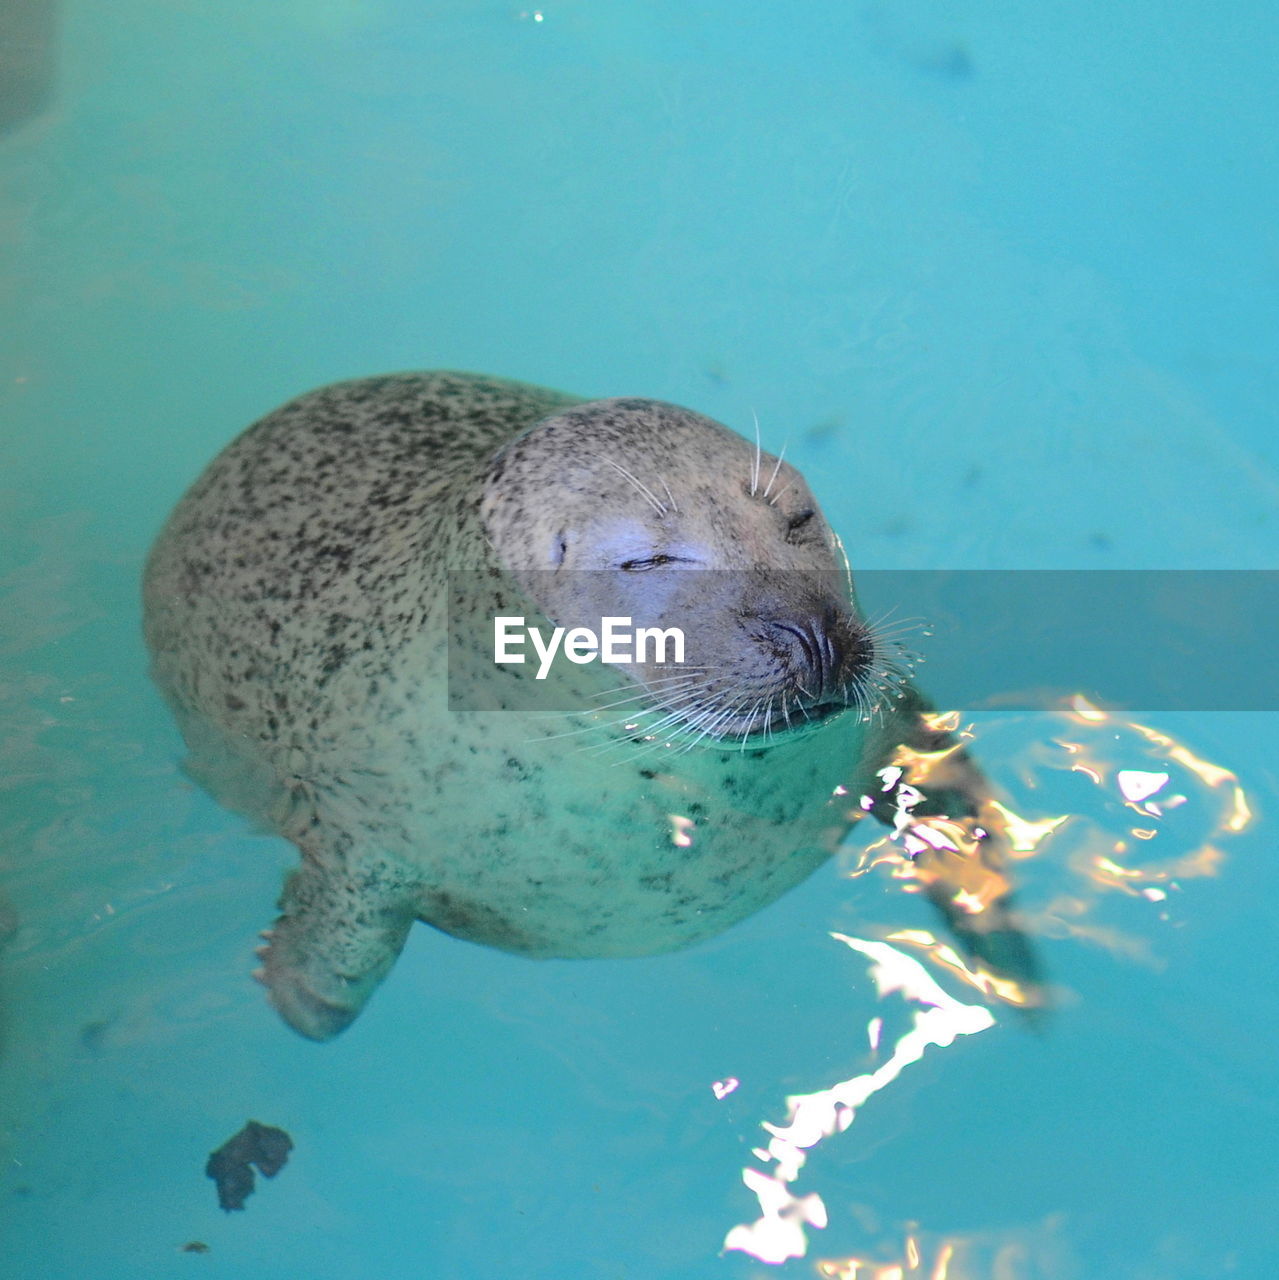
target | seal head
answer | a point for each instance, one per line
(646, 510)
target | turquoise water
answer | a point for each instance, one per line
(1006, 280)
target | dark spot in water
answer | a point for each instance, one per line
(231, 1165)
(93, 1035)
(948, 59)
(824, 431)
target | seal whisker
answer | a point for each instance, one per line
(660, 739)
(642, 488)
(640, 695)
(675, 713)
(746, 733)
(732, 712)
(710, 722)
(556, 737)
(646, 695)
(653, 705)
(687, 674)
(879, 627)
(676, 717)
(595, 727)
(696, 728)
(669, 494)
(780, 457)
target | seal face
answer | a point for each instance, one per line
(299, 605)
(583, 512)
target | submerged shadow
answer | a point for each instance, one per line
(28, 59)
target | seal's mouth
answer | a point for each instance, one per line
(787, 720)
(760, 726)
(859, 673)
(822, 711)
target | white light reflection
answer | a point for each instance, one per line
(1136, 785)
(722, 1088)
(681, 830)
(779, 1233)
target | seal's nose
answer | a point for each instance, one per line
(816, 649)
(813, 652)
(825, 652)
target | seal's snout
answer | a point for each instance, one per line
(826, 653)
(815, 654)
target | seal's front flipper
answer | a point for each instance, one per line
(963, 875)
(940, 804)
(335, 942)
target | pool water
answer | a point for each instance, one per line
(1006, 283)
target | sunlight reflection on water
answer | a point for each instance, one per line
(1154, 817)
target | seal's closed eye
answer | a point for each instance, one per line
(649, 562)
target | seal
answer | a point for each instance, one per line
(305, 597)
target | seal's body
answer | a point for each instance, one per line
(300, 606)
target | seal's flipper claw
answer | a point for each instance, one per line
(333, 945)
